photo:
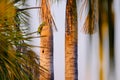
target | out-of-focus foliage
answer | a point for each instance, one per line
(91, 16)
(17, 60)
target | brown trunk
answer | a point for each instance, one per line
(46, 54)
(111, 39)
(102, 30)
(71, 70)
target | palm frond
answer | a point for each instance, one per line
(90, 24)
(18, 62)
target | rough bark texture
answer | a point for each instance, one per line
(71, 69)
(46, 54)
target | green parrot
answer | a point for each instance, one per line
(41, 27)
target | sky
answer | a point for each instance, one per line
(88, 62)
(59, 17)
(58, 12)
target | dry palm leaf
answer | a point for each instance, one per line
(91, 19)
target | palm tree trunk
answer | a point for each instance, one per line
(71, 69)
(46, 53)
(102, 22)
(111, 39)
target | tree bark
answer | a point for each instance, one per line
(46, 54)
(71, 37)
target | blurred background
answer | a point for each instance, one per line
(98, 54)
(98, 39)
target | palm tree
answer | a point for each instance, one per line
(17, 59)
(90, 27)
(111, 38)
(71, 41)
(46, 53)
(102, 26)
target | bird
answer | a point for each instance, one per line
(41, 27)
